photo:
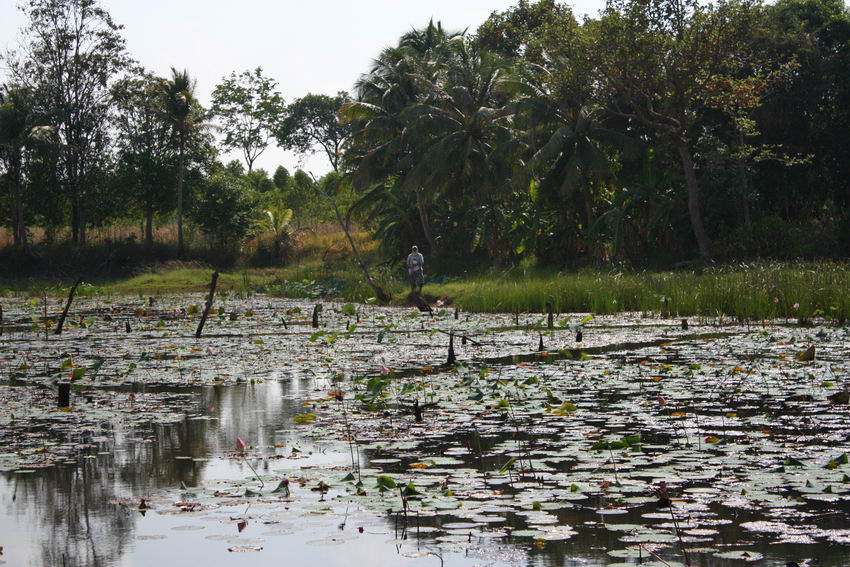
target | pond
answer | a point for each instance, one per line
(617, 440)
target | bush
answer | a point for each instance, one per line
(772, 237)
(225, 209)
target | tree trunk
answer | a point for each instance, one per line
(149, 223)
(180, 173)
(423, 219)
(81, 222)
(19, 228)
(694, 210)
(75, 225)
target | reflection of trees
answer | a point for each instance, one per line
(73, 512)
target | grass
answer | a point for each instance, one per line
(321, 265)
(745, 291)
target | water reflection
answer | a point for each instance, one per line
(85, 514)
(65, 516)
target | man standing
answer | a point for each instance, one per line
(415, 261)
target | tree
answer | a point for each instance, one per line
(225, 208)
(259, 179)
(434, 120)
(250, 110)
(184, 114)
(146, 153)
(461, 133)
(382, 148)
(512, 33)
(73, 51)
(313, 122)
(657, 61)
(281, 177)
(16, 127)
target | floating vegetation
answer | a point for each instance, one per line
(647, 443)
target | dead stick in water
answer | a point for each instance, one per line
(207, 306)
(61, 323)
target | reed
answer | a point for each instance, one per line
(743, 291)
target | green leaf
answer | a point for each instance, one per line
(507, 465)
(385, 482)
(633, 439)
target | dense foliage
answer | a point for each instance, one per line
(655, 132)
(658, 130)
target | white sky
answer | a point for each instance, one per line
(318, 46)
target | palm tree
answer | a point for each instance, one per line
(569, 146)
(430, 118)
(276, 219)
(182, 111)
(400, 76)
(462, 131)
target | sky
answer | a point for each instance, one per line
(318, 46)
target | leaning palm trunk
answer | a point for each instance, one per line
(382, 295)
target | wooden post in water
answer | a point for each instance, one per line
(207, 305)
(540, 345)
(452, 358)
(61, 323)
(457, 312)
(64, 394)
(316, 309)
(550, 321)
(1, 318)
(684, 324)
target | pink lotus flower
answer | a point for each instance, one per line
(796, 306)
(210, 350)
(776, 300)
(385, 371)
(241, 446)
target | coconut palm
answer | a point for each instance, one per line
(569, 148)
(383, 149)
(463, 136)
(430, 118)
(182, 110)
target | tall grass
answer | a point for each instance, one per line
(745, 291)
